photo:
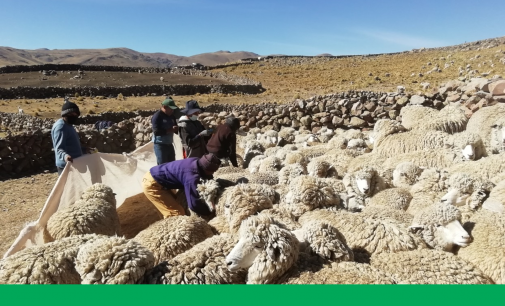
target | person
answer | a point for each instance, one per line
(185, 173)
(66, 142)
(223, 142)
(193, 134)
(164, 126)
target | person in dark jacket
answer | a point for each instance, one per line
(164, 126)
(184, 173)
(193, 135)
(223, 142)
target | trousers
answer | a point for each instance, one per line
(165, 153)
(164, 200)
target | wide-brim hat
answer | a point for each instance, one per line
(192, 107)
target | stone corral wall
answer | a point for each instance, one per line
(30, 152)
(157, 90)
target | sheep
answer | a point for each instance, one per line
(450, 119)
(245, 200)
(286, 136)
(112, 260)
(306, 140)
(270, 164)
(321, 168)
(290, 172)
(466, 191)
(208, 190)
(269, 178)
(366, 236)
(255, 163)
(388, 145)
(440, 227)
(283, 216)
(485, 168)
(162, 79)
(272, 151)
(325, 134)
(382, 211)
(496, 199)
(204, 263)
(268, 139)
(430, 188)
(360, 186)
(428, 267)
(395, 198)
(50, 263)
(487, 251)
(497, 142)
(20, 110)
(95, 212)
(406, 174)
(296, 157)
(482, 123)
(170, 237)
(307, 193)
(265, 248)
(283, 152)
(341, 273)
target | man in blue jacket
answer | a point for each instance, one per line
(66, 142)
(164, 126)
(180, 174)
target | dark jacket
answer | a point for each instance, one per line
(183, 174)
(223, 143)
(193, 143)
(161, 123)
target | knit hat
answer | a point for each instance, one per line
(233, 122)
(170, 103)
(69, 107)
(209, 162)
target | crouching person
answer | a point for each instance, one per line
(180, 174)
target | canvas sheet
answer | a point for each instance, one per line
(122, 172)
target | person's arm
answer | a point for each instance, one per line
(194, 202)
(59, 144)
(158, 129)
(233, 149)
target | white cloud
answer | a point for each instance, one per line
(401, 39)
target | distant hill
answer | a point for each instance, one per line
(114, 57)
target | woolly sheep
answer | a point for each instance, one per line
(497, 142)
(204, 263)
(367, 236)
(461, 187)
(496, 200)
(450, 119)
(382, 211)
(390, 145)
(272, 151)
(50, 263)
(482, 121)
(94, 213)
(286, 136)
(485, 168)
(321, 168)
(430, 188)
(282, 152)
(413, 115)
(113, 260)
(440, 227)
(361, 185)
(325, 134)
(406, 174)
(282, 216)
(487, 251)
(255, 163)
(306, 139)
(208, 190)
(265, 248)
(341, 273)
(296, 157)
(172, 236)
(307, 193)
(290, 172)
(395, 198)
(270, 164)
(269, 177)
(428, 267)
(268, 139)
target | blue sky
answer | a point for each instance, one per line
(265, 27)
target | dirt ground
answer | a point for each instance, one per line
(100, 78)
(21, 201)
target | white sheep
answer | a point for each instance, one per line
(290, 172)
(485, 168)
(162, 79)
(94, 213)
(113, 260)
(450, 119)
(321, 168)
(430, 188)
(270, 178)
(497, 142)
(428, 267)
(406, 174)
(482, 123)
(170, 237)
(360, 186)
(20, 110)
(286, 136)
(487, 251)
(50, 263)
(496, 200)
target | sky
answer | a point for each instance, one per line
(292, 27)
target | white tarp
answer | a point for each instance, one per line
(122, 172)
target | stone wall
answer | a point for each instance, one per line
(158, 90)
(32, 152)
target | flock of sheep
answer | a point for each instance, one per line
(419, 201)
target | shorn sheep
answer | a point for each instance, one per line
(113, 260)
(428, 267)
(170, 237)
(50, 263)
(94, 213)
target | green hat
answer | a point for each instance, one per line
(170, 103)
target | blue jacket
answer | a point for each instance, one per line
(184, 173)
(161, 123)
(65, 142)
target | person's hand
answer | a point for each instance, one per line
(175, 128)
(69, 158)
(205, 133)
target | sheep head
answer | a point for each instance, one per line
(467, 145)
(208, 191)
(363, 179)
(265, 248)
(406, 174)
(440, 227)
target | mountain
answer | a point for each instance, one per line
(114, 57)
